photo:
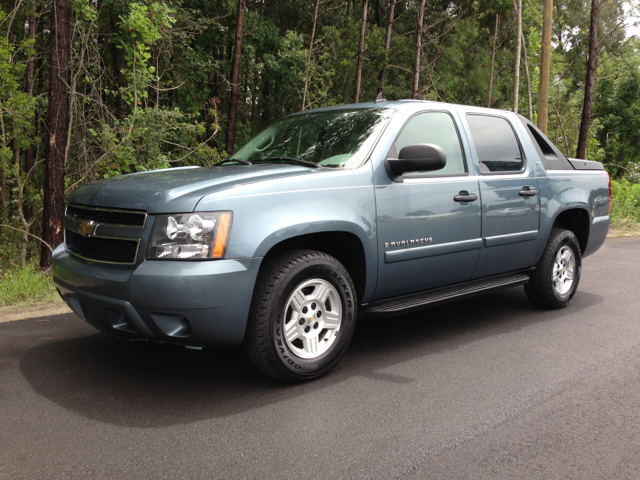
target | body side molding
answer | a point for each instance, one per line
(510, 238)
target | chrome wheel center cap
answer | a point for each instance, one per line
(312, 318)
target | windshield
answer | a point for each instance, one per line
(337, 138)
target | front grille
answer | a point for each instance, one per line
(107, 217)
(111, 250)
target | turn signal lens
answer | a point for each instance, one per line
(222, 234)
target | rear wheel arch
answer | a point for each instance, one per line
(576, 220)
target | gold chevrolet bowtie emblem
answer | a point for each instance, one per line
(312, 317)
(87, 229)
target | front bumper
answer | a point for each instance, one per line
(192, 303)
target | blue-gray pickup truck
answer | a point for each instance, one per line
(328, 216)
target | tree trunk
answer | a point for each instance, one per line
(493, 57)
(53, 202)
(516, 76)
(235, 78)
(590, 80)
(564, 134)
(266, 93)
(526, 71)
(27, 212)
(387, 45)
(365, 7)
(416, 65)
(20, 201)
(3, 181)
(29, 80)
(254, 97)
(545, 65)
(308, 69)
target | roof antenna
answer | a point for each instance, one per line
(380, 98)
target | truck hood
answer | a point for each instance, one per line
(175, 190)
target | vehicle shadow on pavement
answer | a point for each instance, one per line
(145, 385)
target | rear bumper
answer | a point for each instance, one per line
(191, 303)
(597, 234)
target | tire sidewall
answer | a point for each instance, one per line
(314, 367)
(569, 240)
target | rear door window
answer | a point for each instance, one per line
(496, 144)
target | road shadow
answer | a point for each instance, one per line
(145, 385)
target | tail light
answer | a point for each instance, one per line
(610, 193)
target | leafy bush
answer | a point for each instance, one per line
(626, 202)
(25, 284)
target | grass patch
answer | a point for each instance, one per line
(25, 286)
(624, 229)
(625, 207)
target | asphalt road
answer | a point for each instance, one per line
(485, 388)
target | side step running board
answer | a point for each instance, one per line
(418, 301)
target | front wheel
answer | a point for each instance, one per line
(555, 280)
(302, 316)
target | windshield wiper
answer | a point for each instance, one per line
(299, 161)
(239, 160)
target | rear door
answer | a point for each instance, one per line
(510, 199)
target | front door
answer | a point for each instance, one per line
(429, 226)
(510, 200)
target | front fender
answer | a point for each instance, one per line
(267, 213)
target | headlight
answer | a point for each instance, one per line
(188, 236)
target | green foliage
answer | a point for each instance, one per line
(625, 206)
(147, 139)
(618, 128)
(140, 30)
(150, 79)
(25, 285)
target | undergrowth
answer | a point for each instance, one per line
(625, 207)
(26, 285)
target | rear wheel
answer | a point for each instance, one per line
(556, 278)
(302, 316)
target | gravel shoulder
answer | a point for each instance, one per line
(34, 310)
(624, 230)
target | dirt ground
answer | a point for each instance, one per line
(624, 230)
(35, 310)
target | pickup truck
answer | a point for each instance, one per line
(329, 216)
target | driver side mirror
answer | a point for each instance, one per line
(423, 157)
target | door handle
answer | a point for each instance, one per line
(527, 192)
(465, 196)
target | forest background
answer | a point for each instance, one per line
(96, 88)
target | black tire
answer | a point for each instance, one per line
(541, 290)
(264, 342)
